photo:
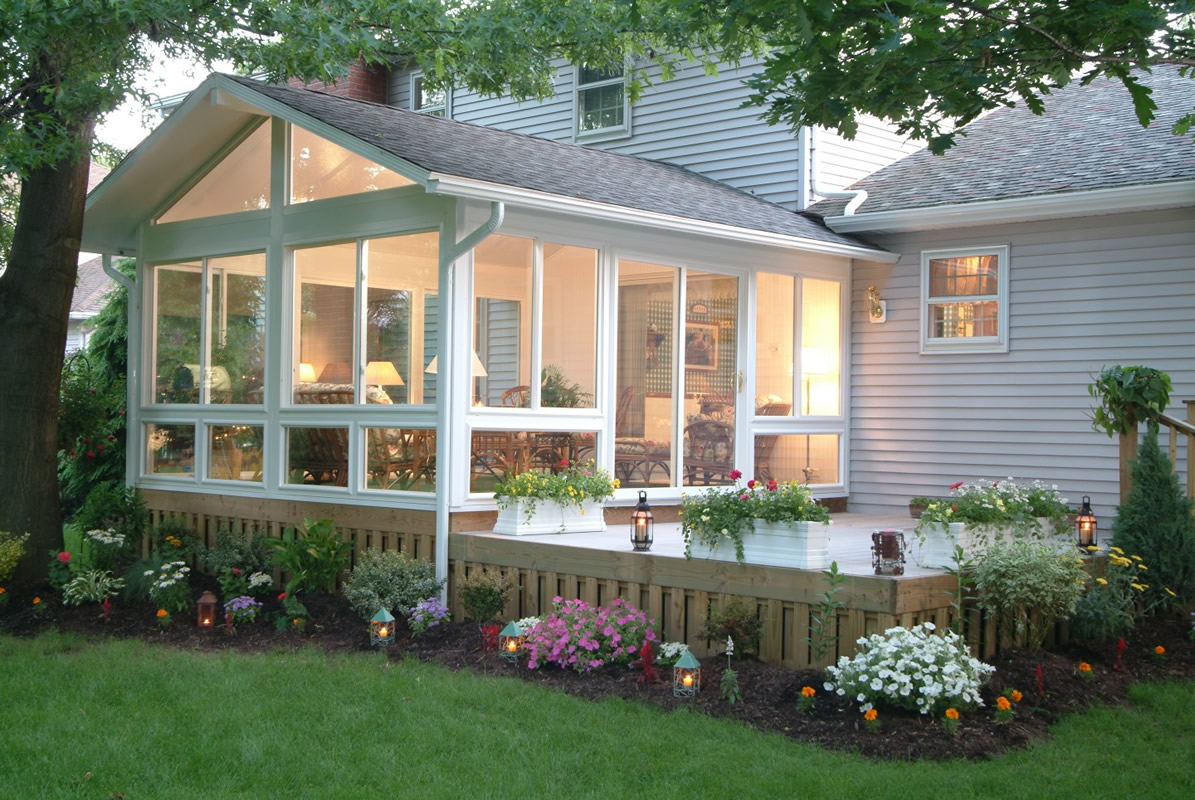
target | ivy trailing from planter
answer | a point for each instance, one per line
(1128, 395)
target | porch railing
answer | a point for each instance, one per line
(1175, 428)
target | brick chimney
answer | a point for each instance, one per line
(362, 83)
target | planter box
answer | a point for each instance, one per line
(550, 518)
(937, 552)
(801, 545)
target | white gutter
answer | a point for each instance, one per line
(446, 389)
(855, 196)
(114, 274)
(440, 183)
(1119, 200)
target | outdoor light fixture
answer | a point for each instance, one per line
(381, 629)
(510, 642)
(877, 309)
(888, 552)
(641, 525)
(207, 609)
(686, 676)
(1086, 525)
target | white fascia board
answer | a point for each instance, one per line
(1119, 200)
(440, 183)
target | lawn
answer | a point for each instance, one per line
(123, 719)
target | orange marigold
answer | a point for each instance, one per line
(870, 715)
(808, 691)
(1159, 650)
(1003, 704)
(1016, 696)
(2, 590)
(36, 600)
(163, 612)
(952, 713)
(1084, 667)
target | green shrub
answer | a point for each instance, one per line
(1155, 521)
(91, 586)
(1128, 395)
(315, 559)
(244, 550)
(12, 547)
(1030, 586)
(736, 620)
(173, 538)
(390, 580)
(91, 429)
(484, 593)
(113, 506)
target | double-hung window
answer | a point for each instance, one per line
(965, 300)
(426, 100)
(601, 104)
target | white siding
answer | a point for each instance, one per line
(843, 161)
(1084, 294)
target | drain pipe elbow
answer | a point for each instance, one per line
(856, 197)
(115, 274)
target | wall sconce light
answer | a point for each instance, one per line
(381, 629)
(877, 309)
(510, 642)
(642, 523)
(888, 552)
(686, 676)
(1086, 525)
(207, 609)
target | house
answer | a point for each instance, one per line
(90, 297)
(1037, 251)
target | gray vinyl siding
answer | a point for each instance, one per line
(843, 161)
(1083, 294)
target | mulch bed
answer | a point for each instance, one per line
(769, 693)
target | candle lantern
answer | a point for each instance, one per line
(381, 629)
(641, 525)
(207, 609)
(888, 552)
(510, 641)
(1086, 525)
(686, 675)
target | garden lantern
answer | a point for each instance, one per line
(207, 609)
(1086, 525)
(686, 675)
(641, 525)
(381, 629)
(888, 552)
(510, 642)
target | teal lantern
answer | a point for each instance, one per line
(510, 642)
(381, 629)
(686, 675)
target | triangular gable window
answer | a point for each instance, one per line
(239, 182)
(320, 169)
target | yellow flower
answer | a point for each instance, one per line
(1139, 587)
(1091, 548)
(1116, 550)
(1135, 558)
(1142, 566)
(1168, 591)
(1101, 581)
(616, 483)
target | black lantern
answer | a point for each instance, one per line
(641, 525)
(1086, 525)
(888, 552)
(207, 609)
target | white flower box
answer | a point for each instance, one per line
(550, 517)
(936, 551)
(801, 545)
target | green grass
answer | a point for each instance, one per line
(150, 722)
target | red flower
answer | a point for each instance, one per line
(735, 474)
(99, 448)
(954, 486)
(282, 596)
(564, 462)
(772, 485)
(73, 453)
(91, 454)
(236, 571)
(64, 557)
(751, 484)
(954, 508)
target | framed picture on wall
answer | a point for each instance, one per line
(701, 346)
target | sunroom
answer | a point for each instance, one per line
(348, 304)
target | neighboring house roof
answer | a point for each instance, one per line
(95, 174)
(1088, 139)
(91, 290)
(512, 159)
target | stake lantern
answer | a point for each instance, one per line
(1086, 525)
(207, 609)
(381, 629)
(510, 641)
(686, 675)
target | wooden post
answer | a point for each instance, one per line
(1128, 452)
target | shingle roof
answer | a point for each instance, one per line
(1088, 138)
(511, 159)
(91, 289)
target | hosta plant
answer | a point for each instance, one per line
(914, 669)
(91, 586)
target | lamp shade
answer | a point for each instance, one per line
(478, 367)
(336, 372)
(382, 373)
(306, 372)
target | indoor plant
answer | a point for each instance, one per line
(773, 523)
(567, 501)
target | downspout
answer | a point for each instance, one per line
(855, 196)
(448, 389)
(115, 274)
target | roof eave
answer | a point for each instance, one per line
(457, 186)
(1093, 202)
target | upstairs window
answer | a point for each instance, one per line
(965, 295)
(426, 100)
(601, 104)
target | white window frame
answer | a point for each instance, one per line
(601, 134)
(978, 344)
(416, 96)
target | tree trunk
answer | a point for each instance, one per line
(35, 300)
